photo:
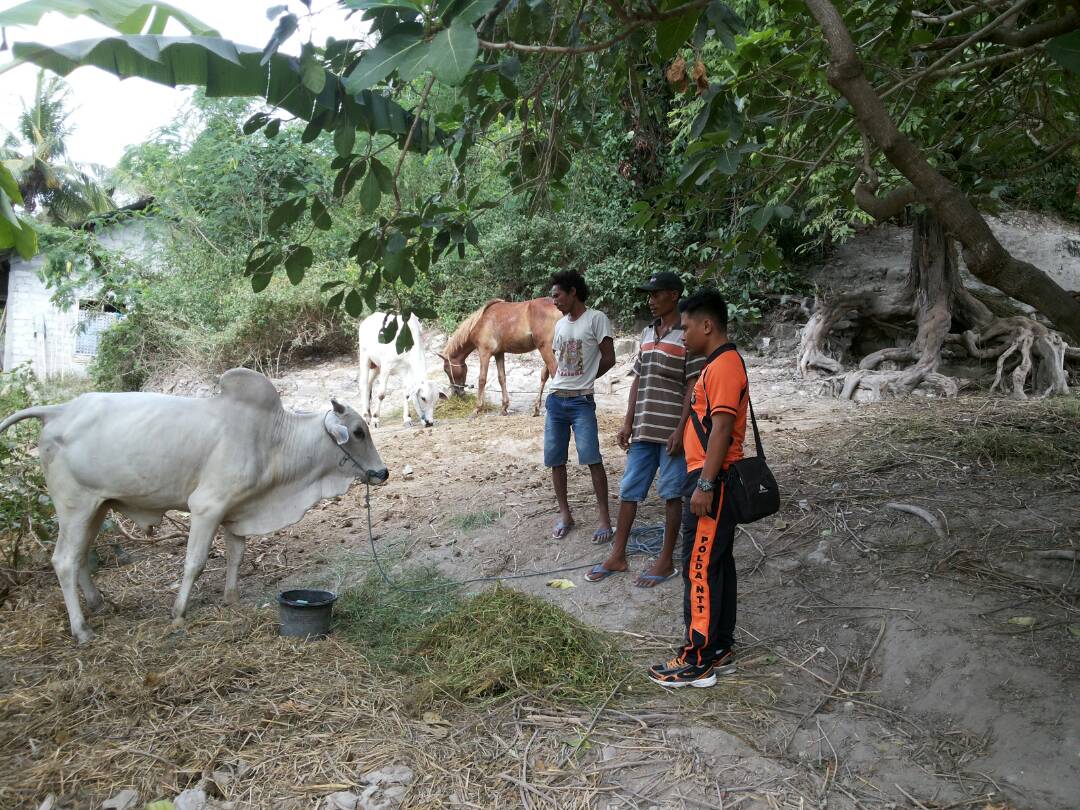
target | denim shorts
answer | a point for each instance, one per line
(564, 413)
(642, 463)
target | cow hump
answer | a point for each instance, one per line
(251, 388)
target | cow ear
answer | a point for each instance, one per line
(340, 433)
(337, 431)
(338, 407)
(443, 394)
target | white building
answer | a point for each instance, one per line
(59, 341)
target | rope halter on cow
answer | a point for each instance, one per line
(340, 434)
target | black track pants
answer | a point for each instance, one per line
(709, 581)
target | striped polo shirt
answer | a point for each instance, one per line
(664, 371)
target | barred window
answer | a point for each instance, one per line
(92, 322)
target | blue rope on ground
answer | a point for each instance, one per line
(646, 540)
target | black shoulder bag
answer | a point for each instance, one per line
(749, 483)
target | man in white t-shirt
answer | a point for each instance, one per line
(584, 350)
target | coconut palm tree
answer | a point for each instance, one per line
(36, 154)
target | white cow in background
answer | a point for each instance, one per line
(238, 460)
(382, 359)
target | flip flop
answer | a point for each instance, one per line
(561, 530)
(601, 536)
(655, 579)
(599, 573)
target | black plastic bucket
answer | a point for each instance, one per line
(306, 614)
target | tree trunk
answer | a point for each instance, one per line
(933, 291)
(937, 300)
(985, 256)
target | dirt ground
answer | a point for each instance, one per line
(881, 663)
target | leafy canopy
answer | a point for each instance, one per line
(734, 131)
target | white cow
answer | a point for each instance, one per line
(383, 359)
(238, 460)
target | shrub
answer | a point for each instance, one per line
(27, 517)
(234, 327)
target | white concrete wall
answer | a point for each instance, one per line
(37, 330)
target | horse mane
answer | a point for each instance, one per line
(461, 335)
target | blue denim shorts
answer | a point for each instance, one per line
(564, 413)
(642, 463)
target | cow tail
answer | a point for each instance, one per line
(40, 412)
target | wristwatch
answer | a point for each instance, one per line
(706, 485)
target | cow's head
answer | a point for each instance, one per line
(456, 372)
(349, 430)
(425, 395)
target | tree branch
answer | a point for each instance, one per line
(1017, 38)
(408, 140)
(1049, 155)
(887, 207)
(989, 61)
(960, 14)
(984, 254)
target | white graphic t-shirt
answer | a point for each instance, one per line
(577, 350)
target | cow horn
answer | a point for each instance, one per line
(338, 407)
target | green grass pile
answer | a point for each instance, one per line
(498, 643)
(504, 642)
(456, 407)
(390, 623)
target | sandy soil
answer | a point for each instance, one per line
(878, 665)
(951, 706)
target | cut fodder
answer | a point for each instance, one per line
(390, 621)
(458, 406)
(1029, 437)
(504, 642)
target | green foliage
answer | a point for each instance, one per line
(197, 310)
(76, 259)
(126, 16)
(27, 517)
(518, 255)
(1050, 188)
(176, 326)
(15, 231)
(709, 141)
(35, 154)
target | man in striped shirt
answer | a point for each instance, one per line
(652, 433)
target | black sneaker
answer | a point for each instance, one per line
(670, 674)
(668, 667)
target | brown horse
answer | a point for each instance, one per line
(494, 329)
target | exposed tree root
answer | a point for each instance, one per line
(1031, 345)
(936, 300)
(918, 511)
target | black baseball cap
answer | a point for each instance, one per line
(664, 280)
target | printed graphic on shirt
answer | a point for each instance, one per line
(571, 358)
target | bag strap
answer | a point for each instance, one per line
(703, 431)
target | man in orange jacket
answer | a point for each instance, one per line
(712, 440)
